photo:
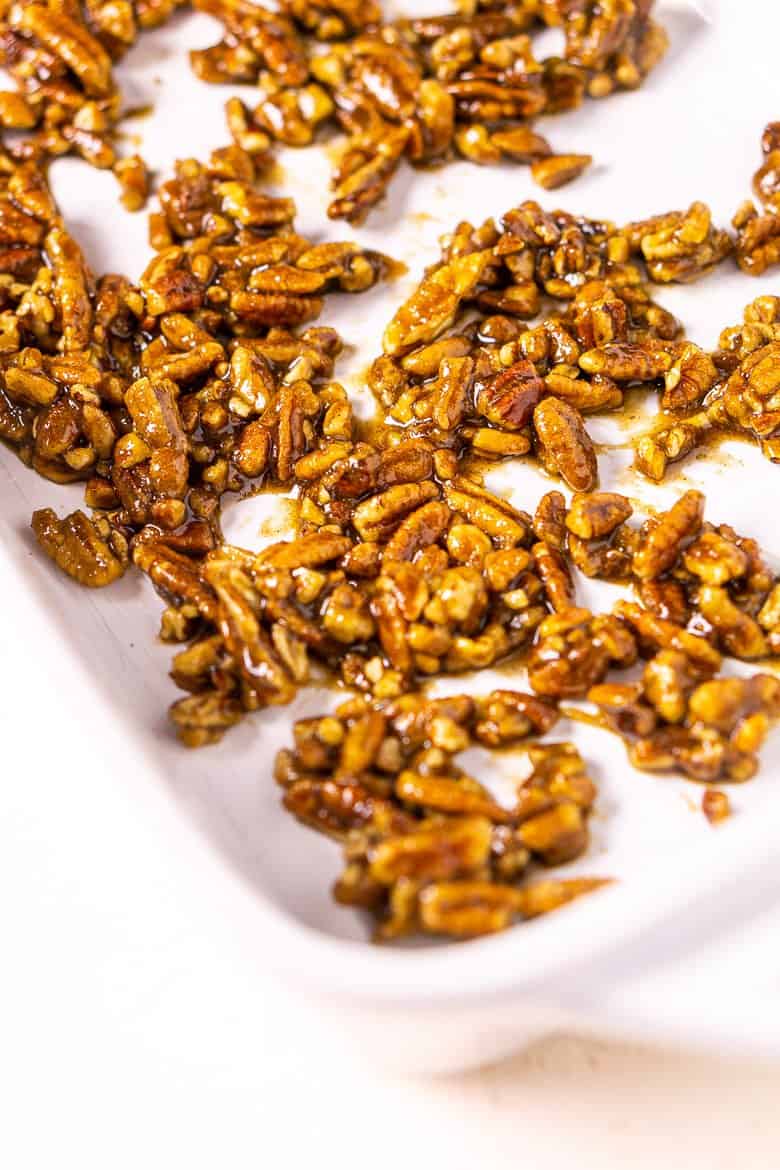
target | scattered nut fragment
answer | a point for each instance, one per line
(133, 178)
(715, 805)
(558, 169)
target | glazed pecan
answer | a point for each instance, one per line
(86, 550)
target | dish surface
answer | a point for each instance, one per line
(691, 132)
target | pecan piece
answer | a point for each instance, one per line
(564, 445)
(76, 546)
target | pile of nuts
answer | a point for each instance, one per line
(422, 576)
(461, 368)
(160, 397)
(703, 592)
(61, 57)
(426, 846)
(426, 89)
(208, 376)
(463, 83)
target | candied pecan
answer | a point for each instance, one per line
(654, 452)
(549, 520)
(758, 237)
(663, 541)
(133, 178)
(564, 446)
(688, 379)
(435, 303)
(558, 169)
(667, 599)
(749, 393)
(87, 551)
(594, 515)
(555, 576)
(679, 246)
(738, 632)
(662, 633)
(715, 805)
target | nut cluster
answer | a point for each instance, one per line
(758, 233)
(703, 588)
(462, 367)
(427, 847)
(465, 82)
(703, 592)
(426, 89)
(61, 58)
(476, 361)
(710, 396)
(165, 395)
(400, 574)
(710, 730)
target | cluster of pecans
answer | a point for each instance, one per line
(425, 89)
(526, 325)
(426, 846)
(164, 395)
(61, 58)
(399, 575)
(758, 233)
(208, 376)
(702, 592)
(707, 397)
(422, 89)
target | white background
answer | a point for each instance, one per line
(137, 1029)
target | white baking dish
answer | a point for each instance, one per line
(676, 947)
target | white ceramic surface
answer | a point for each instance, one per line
(652, 954)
